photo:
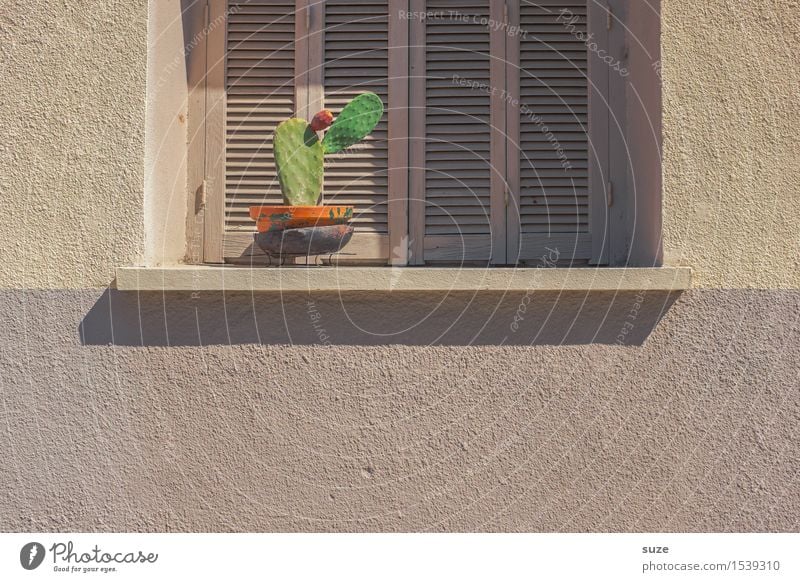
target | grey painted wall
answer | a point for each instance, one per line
(691, 426)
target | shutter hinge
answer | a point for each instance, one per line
(308, 18)
(610, 194)
(506, 197)
(505, 13)
(609, 16)
(201, 192)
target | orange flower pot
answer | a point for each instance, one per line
(271, 218)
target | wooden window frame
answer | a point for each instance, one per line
(623, 204)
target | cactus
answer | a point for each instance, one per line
(299, 152)
(354, 123)
(298, 157)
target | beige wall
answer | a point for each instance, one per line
(72, 121)
(74, 185)
(557, 429)
(731, 148)
(151, 412)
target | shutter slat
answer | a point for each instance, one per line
(553, 91)
(457, 119)
(356, 59)
(261, 93)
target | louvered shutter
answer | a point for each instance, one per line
(501, 130)
(262, 86)
(289, 58)
(356, 59)
(549, 162)
(494, 148)
(457, 186)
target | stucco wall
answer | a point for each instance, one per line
(731, 163)
(234, 429)
(202, 413)
(73, 119)
(72, 150)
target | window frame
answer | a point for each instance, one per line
(616, 193)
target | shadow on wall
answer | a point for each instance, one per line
(458, 319)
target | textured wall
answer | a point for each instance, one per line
(694, 430)
(72, 148)
(691, 426)
(731, 163)
(72, 121)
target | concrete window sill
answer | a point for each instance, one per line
(380, 279)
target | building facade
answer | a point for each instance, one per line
(585, 409)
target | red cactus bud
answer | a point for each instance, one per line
(322, 120)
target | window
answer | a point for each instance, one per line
(495, 148)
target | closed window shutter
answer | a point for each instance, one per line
(457, 128)
(356, 59)
(456, 184)
(288, 58)
(549, 160)
(495, 144)
(261, 91)
(500, 101)
(260, 78)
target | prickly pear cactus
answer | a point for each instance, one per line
(354, 123)
(298, 157)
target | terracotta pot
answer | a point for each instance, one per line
(276, 218)
(315, 240)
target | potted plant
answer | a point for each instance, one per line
(302, 226)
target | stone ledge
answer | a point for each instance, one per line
(386, 279)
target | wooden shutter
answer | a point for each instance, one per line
(501, 132)
(457, 212)
(549, 161)
(505, 139)
(261, 62)
(355, 59)
(285, 58)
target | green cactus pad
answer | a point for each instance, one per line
(354, 123)
(298, 157)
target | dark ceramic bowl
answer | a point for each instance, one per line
(315, 240)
